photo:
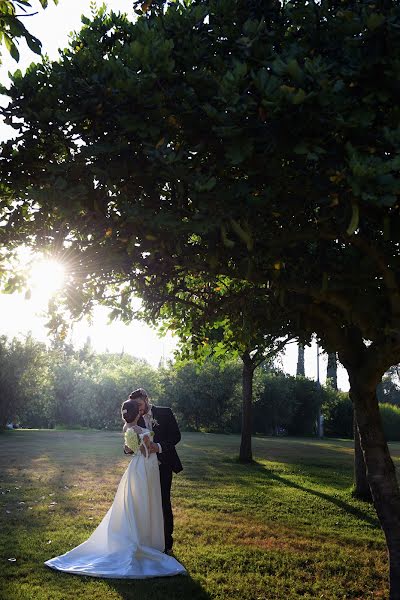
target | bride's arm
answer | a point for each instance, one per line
(146, 441)
(144, 435)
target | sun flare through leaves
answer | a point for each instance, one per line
(46, 278)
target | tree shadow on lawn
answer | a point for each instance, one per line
(181, 587)
(258, 474)
(305, 456)
(356, 512)
(228, 469)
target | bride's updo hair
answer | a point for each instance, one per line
(130, 410)
(139, 394)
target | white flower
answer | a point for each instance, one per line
(154, 422)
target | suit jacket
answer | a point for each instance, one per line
(167, 434)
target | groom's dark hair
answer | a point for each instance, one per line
(130, 410)
(139, 393)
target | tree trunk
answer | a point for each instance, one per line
(300, 371)
(362, 490)
(245, 454)
(331, 371)
(381, 472)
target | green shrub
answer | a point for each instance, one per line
(286, 404)
(337, 410)
(390, 414)
(338, 416)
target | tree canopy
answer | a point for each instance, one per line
(262, 145)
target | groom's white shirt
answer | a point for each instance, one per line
(148, 418)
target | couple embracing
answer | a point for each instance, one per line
(134, 540)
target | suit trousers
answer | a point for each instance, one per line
(166, 482)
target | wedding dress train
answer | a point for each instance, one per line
(129, 541)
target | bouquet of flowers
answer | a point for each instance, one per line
(132, 440)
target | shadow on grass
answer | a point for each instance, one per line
(216, 470)
(356, 512)
(181, 587)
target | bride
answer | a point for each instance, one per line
(129, 541)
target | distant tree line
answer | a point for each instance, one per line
(61, 387)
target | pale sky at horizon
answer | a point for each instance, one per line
(52, 26)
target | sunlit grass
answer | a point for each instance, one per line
(286, 527)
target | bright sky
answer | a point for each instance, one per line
(52, 26)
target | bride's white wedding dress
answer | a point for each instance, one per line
(129, 542)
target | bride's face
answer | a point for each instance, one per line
(143, 406)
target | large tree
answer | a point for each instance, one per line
(254, 140)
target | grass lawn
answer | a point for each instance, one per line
(283, 528)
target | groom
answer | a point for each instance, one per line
(166, 435)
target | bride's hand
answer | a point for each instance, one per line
(153, 448)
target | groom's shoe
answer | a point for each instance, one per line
(168, 551)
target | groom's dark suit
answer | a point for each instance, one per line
(167, 434)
